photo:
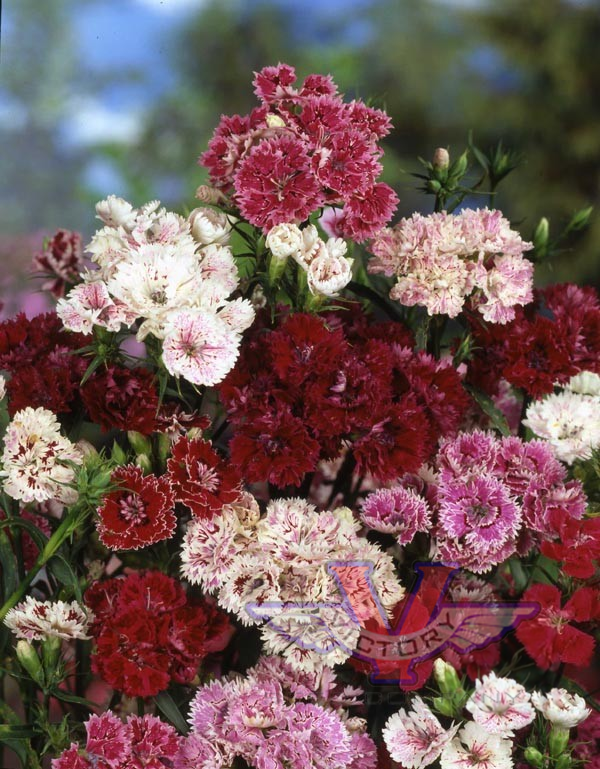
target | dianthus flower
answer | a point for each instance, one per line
(551, 638)
(36, 620)
(148, 633)
(561, 708)
(416, 738)
(139, 513)
(396, 511)
(37, 460)
(577, 546)
(443, 259)
(201, 479)
(60, 261)
(475, 748)
(500, 705)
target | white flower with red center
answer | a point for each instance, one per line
(476, 748)
(416, 738)
(37, 460)
(36, 620)
(561, 708)
(90, 304)
(500, 705)
(200, 347)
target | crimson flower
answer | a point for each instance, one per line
(139, 513)
(577, 547)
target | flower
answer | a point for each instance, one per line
(139, 513)
(474, 748)
(577, 546)
(200, 347)
(284, 239)
(36, 458)
(329, 271)
(122, 398)
(210, 226)
(36, 620)
(569, 421)
(89, 304)
(416, 738)
(500, 705)
(397, 511)
(61, 260)
(201, 479)
(561, 708)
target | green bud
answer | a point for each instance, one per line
(118, 455)
(580, 219)
(563, 762)
(51, 653)
(534, 757)
(447, 678)
(144, 461)
(164, 448)
(433, 186)
(558, 742)
(541, 234)
(459, 167)
(275, 268)
(444, 706)
(139, 443)
(30, 661)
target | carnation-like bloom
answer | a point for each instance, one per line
(36, 459)
(416, 738)
(443, 259)
(139, 513)
(330, 270)
(500, 705)
(36, 620)
(569, 421)
(284, 239)
(396, 511)
(475, 748)
(561, 708)
(61, 261)
(210, 226)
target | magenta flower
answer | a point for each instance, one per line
(398, 511)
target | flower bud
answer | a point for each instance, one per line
(275, 121)
(210, 195)
(441, 159)
(51, 647)
(559, 739)
(446, 678)
(458, 169)
(139, 443)
(29, 660)
(534, 757)
(433, 186)
(564, 761)
(144, 461)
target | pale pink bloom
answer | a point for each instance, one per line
(561, 708)
(116, 212)
(500, 705)
(200, 347)
(416, 738)
(475, 748)
(507, 284)
(219, 274)
(283, 240)
(36, 620)
(238, 314)
(330, 270)
(88, 305)
(37, 458)
(397, 511)
(199, 752)
(249, 580)
(210, 226)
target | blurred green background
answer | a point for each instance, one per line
(101, 96)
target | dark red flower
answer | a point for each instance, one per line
(551, 638)
(61, 260)
(276, 448)
(121, 398)
(139, 513)
(201, 479)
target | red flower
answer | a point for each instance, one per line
(61, 260)
(276, 448)
(275, 183)
(122, 398)
(550, 638)
(578, 546)
(201, 479)
(140, 513)
(363, 216)
(148, 634)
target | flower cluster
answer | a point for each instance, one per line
(148, 632)
(443, 259)
(275, 560)
(303, 148)
(152, 268)
(273, 720)
(143, 741)
(308, 390)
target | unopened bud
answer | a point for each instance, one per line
(441, 158)
(210, 195)
(564, 762)
(144, 461)
(541, 234)
(433, 186)
(275, 121)
(559, 739)
(139, 443)
(534, 757)
(51, 652)
(458, 168)
(446, 678)
(29, 660)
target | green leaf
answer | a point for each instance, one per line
(62, 570)
(16, 732)
(487, 405)
(38, 536)
(166, 704)
(96, 363)
(60, 694)
(8, 564)
(18, 748)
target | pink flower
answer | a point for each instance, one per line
(200, 347)
(500, 705)
(365, 214)
(108, 738)
(416, 738)
(397, 511)
(275, 83)
(275, 183)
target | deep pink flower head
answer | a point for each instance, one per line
(108, 738)
(275, 83)
(397, 511)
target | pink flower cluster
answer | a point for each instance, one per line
(487, 499)
(272, 719)
(442, 259)
(302, 149)
(144, 741)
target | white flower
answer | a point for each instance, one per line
(36, 620)
(200, 347)
(88, 305)
(311, 243)
(116, 212)
(416, 738)
(329, 271)
(586, 383)
(210, 226)
(238, 314)
(35, 457)
(283, 240)
(2, 386)
(569, 421)
(561, 708)
(474, 748)
(219, 274)
(500, 705)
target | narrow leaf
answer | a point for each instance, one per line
(166, 704)
(487, 405)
